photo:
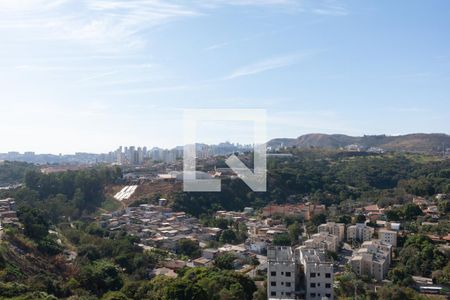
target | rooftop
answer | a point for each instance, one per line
(280, 254)
(313, 255)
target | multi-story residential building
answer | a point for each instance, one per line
(388, 236)
(318, 274)
(323, 241)
(337, 229)
(359, 232)
(372, 259)
(282, 271)
(305, 274)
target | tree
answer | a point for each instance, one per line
(349, 284)
(261, 293)
(395, 292)
(225, 261)
(32, 179)
(188, 247)
(184, 289)
(346, 219)
(442, 276)
(221, 223)
(157, 288)
(281, 239)
(444, 206)
(393, 215)
(235, 292)
(114, 296)
(221, 283)
(100, 277)
(294, 232)
(34, 222)
(79, 199)
(360, 218)
(228, 236)
(400, 276)
(48, 245)
(319, 219)
(419, 256)
(411, 211)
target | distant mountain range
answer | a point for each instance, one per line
(417, 142)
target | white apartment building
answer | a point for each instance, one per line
(318, 274)
(372, 259)
(337, 229)
(360, 232)
(388, 236)
(324, 241)
(282, 270)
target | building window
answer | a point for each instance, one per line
(273, 273)
(288, 274)
(288, 284)
(312, 285)
(273, 283)
(313, 295)
(273, 293)
(327, 275)
(327, 285)
(288, 294)
(312, 275)
(328, 295)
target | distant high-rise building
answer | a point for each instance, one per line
(140, 154)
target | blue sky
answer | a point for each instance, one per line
(92, 75)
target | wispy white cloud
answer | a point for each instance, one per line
(267, 65)
(110, 24)
(255, 3)
(96, 76)
(417, 75)
(29, 5)
(41, 68)
(408, 109)
(217, 46)
(120, 24)
(156, 89)
(330, 8)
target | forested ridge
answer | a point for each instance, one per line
(330, 177)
